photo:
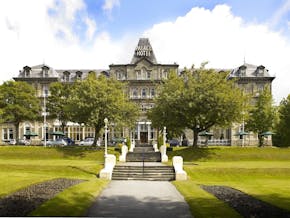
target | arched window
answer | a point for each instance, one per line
(144, 93)
(152, 92)
(79, 75)
(135, 93)
(66, 76)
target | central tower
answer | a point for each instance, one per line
(142, 75)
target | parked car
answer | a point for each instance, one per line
(88, 141)
(58, 142)
(69, 141)
(12, 142)
(116, 141)
(174, 142)
(23, 142)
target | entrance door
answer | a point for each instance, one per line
(144, 137)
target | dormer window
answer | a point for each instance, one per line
(121, 75)
(26, 71)
(66, 76)
(45, 71)
(242, 70)
(260, 70)
(79, 75)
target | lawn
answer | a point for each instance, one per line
(261, 172)
(22, 166)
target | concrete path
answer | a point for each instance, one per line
(140, 199)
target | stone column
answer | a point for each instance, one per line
(68, 131)
(149, 131)
(138, 132)
(53, 131)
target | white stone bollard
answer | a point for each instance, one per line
(164, 157)
(110, 162)
(123, 155)
(180, 174)
(155, 147)
(132, 145)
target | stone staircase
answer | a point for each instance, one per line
(138, 172)
(143, 164)
(143, 153)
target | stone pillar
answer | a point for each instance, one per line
(53, 131)
(68, 131)
(83, 132)
(138, 132)
(149, 132)
(180, 174)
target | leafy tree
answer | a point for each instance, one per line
(282, 136)
(199, 99)
(262, 116)
(18, 103)
(57, 104)
(94, 99)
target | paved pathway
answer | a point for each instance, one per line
(140, 199)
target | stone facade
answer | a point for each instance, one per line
(143, 75)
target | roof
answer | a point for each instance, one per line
(143, 50)
(250, 70)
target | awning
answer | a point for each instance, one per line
(59, 133)
(242, 133)
(267, 133)
(205, 133)
(28, 133)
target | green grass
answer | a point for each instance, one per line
(73, 201)
(21, 166)
(261, 172)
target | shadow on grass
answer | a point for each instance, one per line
(190, 154)
(81, 152)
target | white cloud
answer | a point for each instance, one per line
(222, 39)
(109, 5)
(28, 37)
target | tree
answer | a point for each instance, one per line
(261, 117)
(199, 99)
(18, 103)
(94, 99)
(282, 136)
(57, 104)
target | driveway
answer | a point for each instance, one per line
(140, 199)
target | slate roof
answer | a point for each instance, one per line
(144, 46)
(249, 71)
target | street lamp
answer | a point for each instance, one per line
(106, 139)
(44, 117)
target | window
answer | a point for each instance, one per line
(66, 76)
(148, 75)
(144, 93)
(139, 75)
(7, 133)
(121, 75)
(135, 93)
(79, 75)
(152, 92)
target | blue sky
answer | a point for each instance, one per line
(138, 15)
(91, 34)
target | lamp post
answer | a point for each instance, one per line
(106, 139)
(44, 117)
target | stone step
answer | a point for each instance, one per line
(144, 179)
(143, 149)
(143, 145)
(146, 157)
(151, 173)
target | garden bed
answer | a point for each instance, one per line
(24, 201)
(245, 204)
